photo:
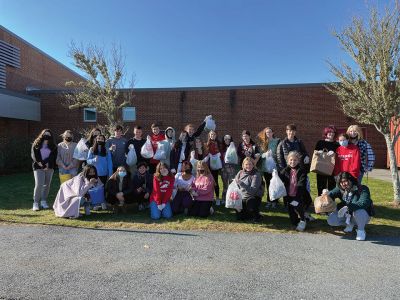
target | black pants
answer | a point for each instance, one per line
(295, 211)
(251, 209)
(113, 200)
(268, 177)
(325, 182)
(216, 185)
(200, 209)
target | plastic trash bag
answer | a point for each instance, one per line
(231, 156)
(276, 188)
(210, 124)
(131, 158)
(234, 198)
(268, 163)
(147, 149)
(161, 153)
(215, 161)
(81, 150)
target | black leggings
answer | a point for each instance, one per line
(214, 173)
(268, 177)
(295, 211)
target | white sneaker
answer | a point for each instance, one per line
(309, 217)
(349, 228)
(104, 206)
(35, 206)
(361, 235)
(218, 202)
(301, 226)
(44, 204)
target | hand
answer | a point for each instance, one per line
(113, 147)
(160, 207)
(93, 181)
(146, 196)
(139, 190)
(330, 153)
(173, 171)
(120, 196)
(320, 151)
(306, 160)
(40, 164)
(342, 212)
(324, 192)
(294, 203)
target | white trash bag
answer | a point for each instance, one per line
(276, 187)
(231, 156)
(160, 154)
(210, 123)
(215, 161)
(234, 198)
(268, 162)
(81, 150)
(194, 162)
(147, 149)
(131, 158)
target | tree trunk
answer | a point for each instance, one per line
(393, 169)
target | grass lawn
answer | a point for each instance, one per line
(16, 207)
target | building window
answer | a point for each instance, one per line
(90, 114)
(129, 114)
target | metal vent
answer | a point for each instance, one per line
(10, 56)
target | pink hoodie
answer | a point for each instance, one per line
(204, 186)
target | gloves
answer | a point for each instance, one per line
(294, 203)
(161, 207)
(330, 153)
(342, 212)
(306, 160)
(325, 192)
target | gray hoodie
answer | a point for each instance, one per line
(250, 183)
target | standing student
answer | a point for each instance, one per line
(250, 183)
(192, 133)
(367, 155)
(92, 137)
(65, 151)
(212, 148)
(137, 141)
(248, 148)
(142, 185)
(183, 199)
(155, 137)
(163, 183)
(170, 136)
(347, 157)
(268, 144)
(202, 191)
(44, 154)
(294, 176)
(180, 152)
(116, 146)
(327, 143)
(100, 157)
(229, 170)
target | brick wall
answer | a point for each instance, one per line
(311, 107)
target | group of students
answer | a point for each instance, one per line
(185, 180)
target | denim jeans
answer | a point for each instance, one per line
(156, 214)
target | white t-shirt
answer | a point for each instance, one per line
(181, 183)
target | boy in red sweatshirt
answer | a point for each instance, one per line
(163, 184)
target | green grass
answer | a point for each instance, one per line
(16, 207)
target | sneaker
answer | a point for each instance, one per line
(309, 217)
(361, 235)
(211, 210)
(87, 210)
(44, 204)
(349, 228)
(104, 206)
(35, 206)
(301, 226)
(218, 202)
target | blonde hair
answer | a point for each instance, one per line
(248, 159)
(295, 154)
(263, 139)
(357, 129)
(204, 165)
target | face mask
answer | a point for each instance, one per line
(46, 137)
(68, 139)
(201, 171)
(100, 143)
(122, 174)
(164, 172)
(344, 143)
(188, 171)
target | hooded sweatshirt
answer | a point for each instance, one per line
(348, 160)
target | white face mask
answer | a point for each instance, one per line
(164, 172)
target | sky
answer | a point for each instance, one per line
(194, 43)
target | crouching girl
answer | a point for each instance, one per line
(163, 183)
(119, 188)
(294, 177)
(74, 193)
(250, 183)
(355, 207)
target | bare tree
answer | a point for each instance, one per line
(105, 76)
(369, 92)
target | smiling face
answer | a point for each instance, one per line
(330, 136)
(213, 135)
(293, 161)
(353, 134)
(269, 133)
(246, 138)
(345, 184)
(138, 133)
(248, 165)
(155, 130)
(227, 140)
(290, 134)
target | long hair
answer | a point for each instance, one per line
(356, 128)
(91, 136)
(114, 176)
(86, 170)
(263, 139)
(103, 151)
(202, 164)
(38, 142)
(157, 173)
(209, 141)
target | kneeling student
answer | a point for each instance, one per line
(163, 183)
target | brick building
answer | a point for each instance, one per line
(310, 106)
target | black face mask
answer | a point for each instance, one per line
(68, 139)
(201, 171)
(46, 137)
(100, 143)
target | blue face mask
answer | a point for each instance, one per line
(344, 143)
(122, 174)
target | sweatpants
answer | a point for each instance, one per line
(296, 213)
(325, 182)
(214, 173)
(359, 217)
(42, 184)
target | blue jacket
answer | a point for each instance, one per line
(103, 164)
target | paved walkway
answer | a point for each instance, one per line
(50, 262)
(383, 174)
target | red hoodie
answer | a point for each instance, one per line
(162, 189)
(348, 160)
(154, 139)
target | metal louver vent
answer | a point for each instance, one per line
(10, 56)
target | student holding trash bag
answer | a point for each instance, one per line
(251, 186)
(43, 154)
(328, 143)
(230, 162)
(74, 193)
(116, 146)
(268, 145)
(155, 137)
(294, 177)
(248, 148)
(137, 142)
(192, 133)
(214, 159)
(179, 153)
(355, 208)
(160, 198)
(67, 165)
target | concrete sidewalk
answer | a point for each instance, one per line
(382, 174)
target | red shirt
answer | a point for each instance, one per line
(348, 160)
(162, 189)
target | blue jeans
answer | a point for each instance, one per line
(156, 214)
